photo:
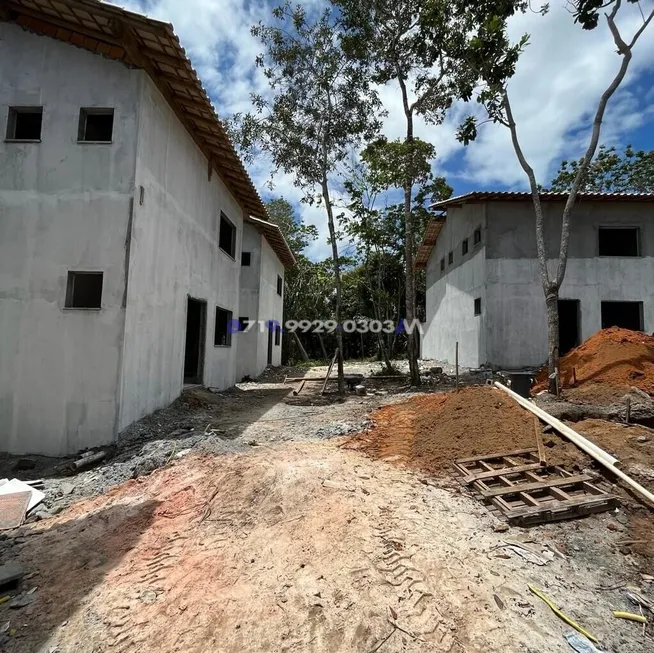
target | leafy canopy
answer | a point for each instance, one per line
(630, 171)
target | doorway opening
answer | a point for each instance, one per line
(270, 342)
(627, 315)
(569, 325)
(196, 327)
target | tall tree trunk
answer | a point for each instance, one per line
(322, 346)
(300, 346)
(337, 281)
(409, 247)
(552, 304)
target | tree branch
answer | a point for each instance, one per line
(533, 185)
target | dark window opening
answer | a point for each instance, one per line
(24, 123)
(569, 325)
(464, 247)
(450, 258)
(223, 333)
(246, 258)
(278, 335)
(442, 264)
(477, 237)
(227, 238)
(84, 290)
(280, 285)
(243, 323)
(196, 320)
(619, 242)
(96, 125)
(627, 315)
(478, 306)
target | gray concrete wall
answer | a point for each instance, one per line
(248, 343)
(174, 255)
(259, 301)
(451, 294)
(516, 318)
(271, 305)
(63, 206)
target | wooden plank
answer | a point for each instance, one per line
(329, 371)
(561, 506)
(532, 487)
(499, 456)
(507, 471)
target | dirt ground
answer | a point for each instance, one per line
(308, 547)
(253, 520)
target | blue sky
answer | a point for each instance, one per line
(554, 93)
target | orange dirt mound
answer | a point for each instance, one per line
(433, 431)
(614, 355)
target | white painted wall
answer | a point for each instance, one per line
(271, 305)
(451, 294)
(63, 206)
(174, 255)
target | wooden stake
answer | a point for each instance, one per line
(329, 371)
(456, 358)
(297, 391)
(539, 442)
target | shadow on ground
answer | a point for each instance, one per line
(68, 560)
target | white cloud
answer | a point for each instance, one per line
(559, 80)
(554, 94)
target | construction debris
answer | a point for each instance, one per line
(629, 616)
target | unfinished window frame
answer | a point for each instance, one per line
(443, 264)
(232, 251)
(608, 227)
(228, 332)
(12, 119)
(70, 299)
(278, 335)
(84, 114)
(477, 307)
(641, 310)
(464, 247)
(280, 285)
(450, 258)
(246, 256)
(476, 237)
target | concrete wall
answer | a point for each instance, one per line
(247, 343)
(174, 255)
(63, 206)
(271, 305)
(260, 302)
(451, 294)
(516, 317)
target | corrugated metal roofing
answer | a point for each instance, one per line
(485, 196)
(154, 47)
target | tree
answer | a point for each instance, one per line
(420, 45)
(492, 36)
(631, 171)
(322, 106)
(297, 234)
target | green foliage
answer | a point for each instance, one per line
(322, 103)
(297, 234)
(587, 12)
(631, 171)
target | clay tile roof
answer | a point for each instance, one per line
(275, 239)
(509, 196)
(153, 46)
(429, 240)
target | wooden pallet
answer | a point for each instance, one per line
(527, 493)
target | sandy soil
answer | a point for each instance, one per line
(308, 547)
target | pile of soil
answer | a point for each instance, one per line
(616, 356)
(431, 432)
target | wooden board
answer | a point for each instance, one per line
(526, 493)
